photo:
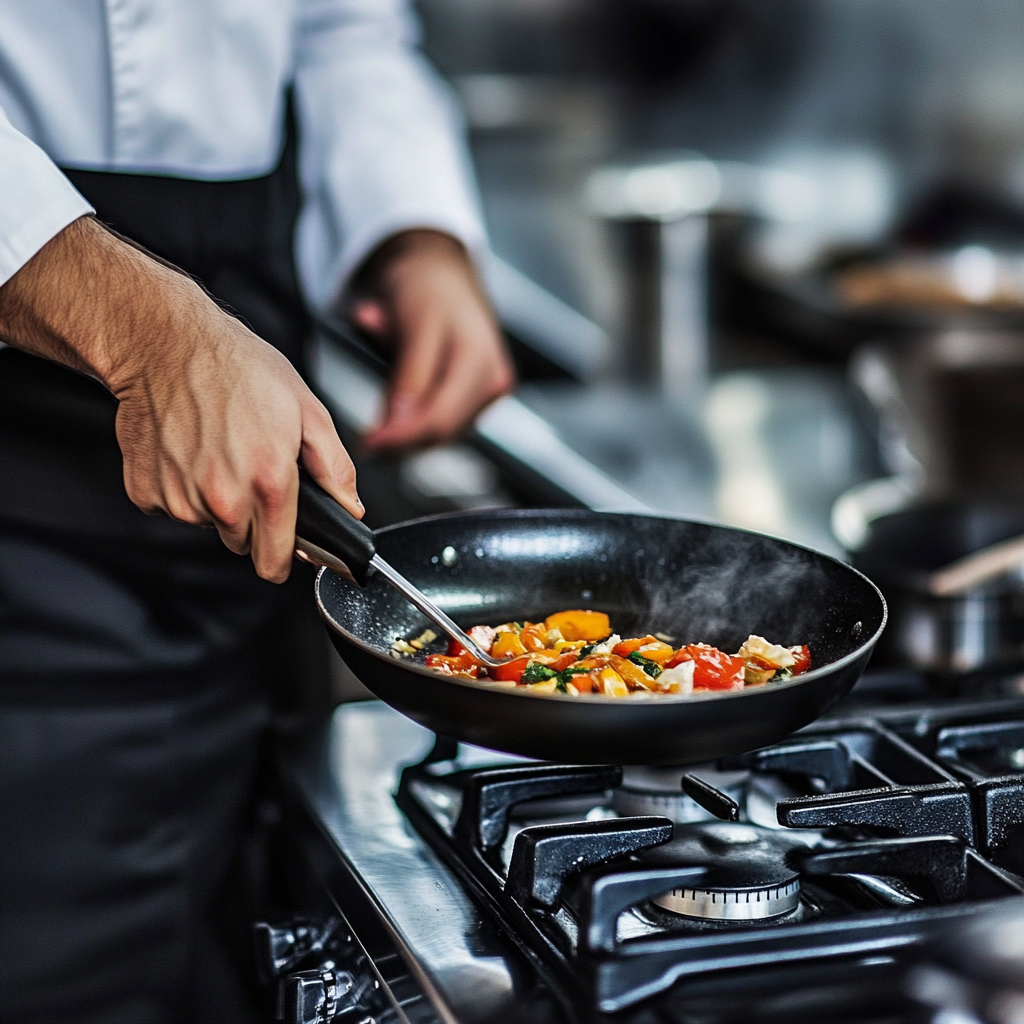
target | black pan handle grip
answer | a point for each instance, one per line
(326, 533)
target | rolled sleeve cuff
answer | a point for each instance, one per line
(36, 200)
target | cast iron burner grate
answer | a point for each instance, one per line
(885, 831)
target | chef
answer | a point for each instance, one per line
(181, 181)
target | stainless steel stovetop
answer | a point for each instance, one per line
(431, 883)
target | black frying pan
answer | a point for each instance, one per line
(693, 581)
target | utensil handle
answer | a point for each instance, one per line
(323, 527)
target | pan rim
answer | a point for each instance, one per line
(599, 699)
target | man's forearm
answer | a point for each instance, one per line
(87, 299)
(212, 421)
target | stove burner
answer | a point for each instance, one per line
(747, 880)
(647, 790)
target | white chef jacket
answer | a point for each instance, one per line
(195, 89)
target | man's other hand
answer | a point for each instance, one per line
(420, 296)
(212, 421)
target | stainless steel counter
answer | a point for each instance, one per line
(466, 970)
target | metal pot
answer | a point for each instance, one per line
(944, 636)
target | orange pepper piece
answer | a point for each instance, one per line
(634, 675)
(534, 636)
(650, 647)
(579, 624)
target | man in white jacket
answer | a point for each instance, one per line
(288, 155)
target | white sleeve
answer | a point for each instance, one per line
(36, 200)
(381, 142)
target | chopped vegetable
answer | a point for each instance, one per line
(533, 636)
(713, 669)
(535, 672)
(455, 665)
(482, 636)
(579, 625)
(508, 645)
(612, 684)
(802, 660)
(652, 668)
(576, 653)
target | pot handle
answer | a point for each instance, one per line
(328, 534)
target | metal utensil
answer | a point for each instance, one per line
(327, 534)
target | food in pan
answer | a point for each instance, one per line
(576, 652)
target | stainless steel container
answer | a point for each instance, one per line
(944, 636)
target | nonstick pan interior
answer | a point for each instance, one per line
(693, 581)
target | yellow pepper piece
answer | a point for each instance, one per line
(507, 645)
(547, 686)
(612, 684)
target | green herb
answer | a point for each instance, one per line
(565, 676)
(781, 675)
(562, 684)
(535, 672)
(652, 668)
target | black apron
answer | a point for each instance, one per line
(133, 701)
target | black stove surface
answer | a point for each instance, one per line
(787, 884)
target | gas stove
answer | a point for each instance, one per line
(436, 882)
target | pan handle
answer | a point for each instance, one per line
(328, 534)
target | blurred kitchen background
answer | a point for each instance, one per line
(761, 261)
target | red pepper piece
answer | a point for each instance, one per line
(458, 664)
(483, 636)
(803, 660)
(713, 669)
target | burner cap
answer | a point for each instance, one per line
(647, 790)
(747, 880)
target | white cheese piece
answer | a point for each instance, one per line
(678, 679)
(773, 654)
(606, 647)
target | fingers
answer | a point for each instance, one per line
(275, 492)
(451, 357)
(422, 358)
(325, 459)
(219, 442)
(470, 370)
(226, 503)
